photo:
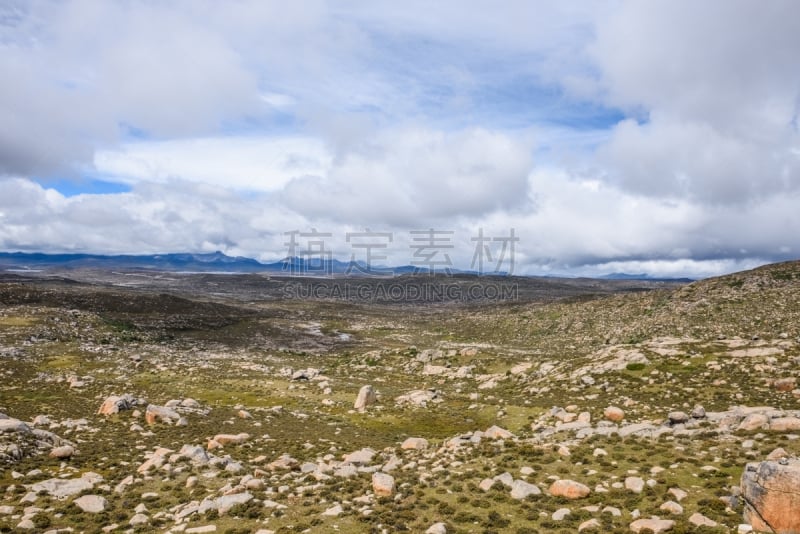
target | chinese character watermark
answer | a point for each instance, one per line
(368, 241)
(483, 251)
(430, 243)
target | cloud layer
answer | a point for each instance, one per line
(612, 136)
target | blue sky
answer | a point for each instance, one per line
(612, 136)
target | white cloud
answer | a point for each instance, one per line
(718, 85)
(234, 122)
(243, 163)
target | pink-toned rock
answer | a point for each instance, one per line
(754, 421)
(415, 443)
(65, 451)
(785, 424)
(613, 413)
(771, 493)
(228, 439)
(115, 404)
(699, 520)
(495, 432)
(569, 489)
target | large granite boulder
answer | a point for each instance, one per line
(771, 493)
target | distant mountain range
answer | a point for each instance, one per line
(642, 276)
(218, 262)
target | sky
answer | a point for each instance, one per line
(609, 136)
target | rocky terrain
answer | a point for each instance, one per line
(194, 406)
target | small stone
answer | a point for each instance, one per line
(437, 528)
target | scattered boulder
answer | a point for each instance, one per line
(785, 384)
(93, 504)
(591, 524)
(699, 520)
(613, 413)
(672, 507)
(656, 526)
(419, 397)
(65, 451)
(560, 514)
(226, 502)
(495, 432)
(569, 489)
(634, 484)
(777, 454)
(771, 493)
(114, 404)
(220, 440)
(155, 461)
(415, 443)
(13, 425)
(305, 374)
(334, 511)
(754, 421)
(363, 457)
(677, 418)
(366, 397)
(785, 424)
(382, 484)
(437, 528)
(522, 490)
(61, 488)
(284, 461)
(698, 412)
(154, 413)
